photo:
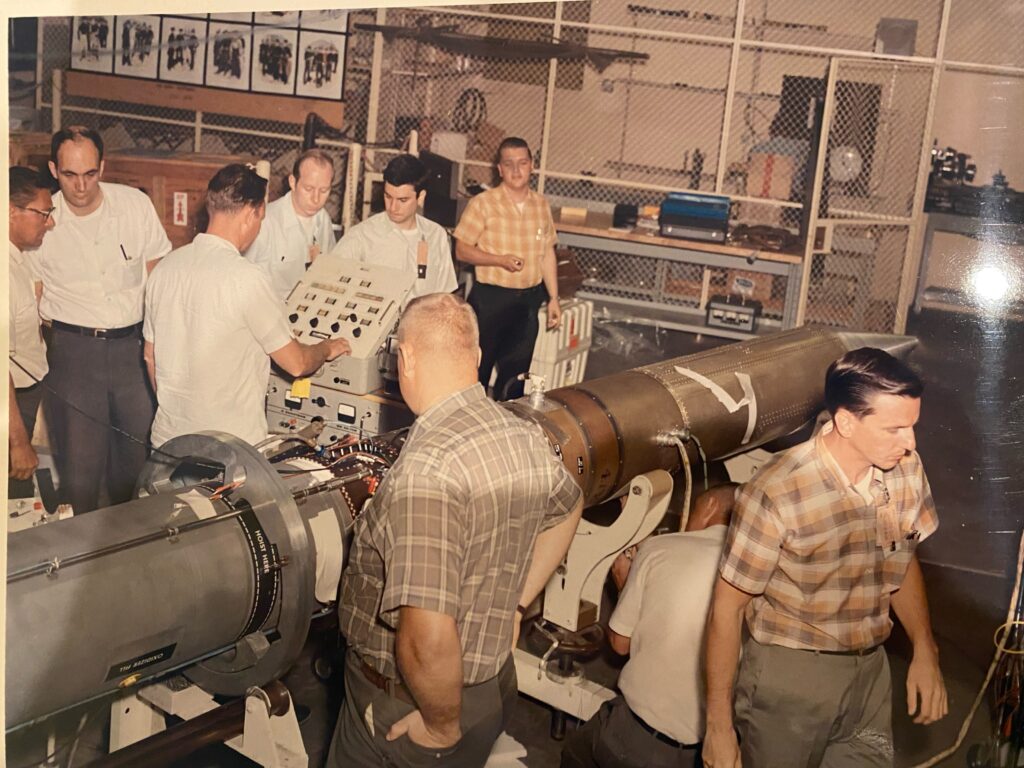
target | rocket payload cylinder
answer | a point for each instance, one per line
(730, 399)
(224, 588)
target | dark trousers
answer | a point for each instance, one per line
(613, 738)
(28, 406)
(508, 332)
(96, 384)
(369, 712)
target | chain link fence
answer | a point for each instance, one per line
(704, 111)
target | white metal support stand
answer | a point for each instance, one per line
(581, 578)
(273, 741)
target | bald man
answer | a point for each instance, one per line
(665, 589)
(441, 559)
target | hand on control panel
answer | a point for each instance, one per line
(337, 348)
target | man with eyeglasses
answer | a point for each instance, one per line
(91, 271)
(31, 216)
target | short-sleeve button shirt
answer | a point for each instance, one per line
(805, 543)
(494, 223)
(451, 530)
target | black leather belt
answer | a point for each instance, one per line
(658, 734)
(95, 333)
(392, 687)
(856, 652)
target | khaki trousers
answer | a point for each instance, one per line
(802, 709)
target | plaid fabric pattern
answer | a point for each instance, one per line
(452, 529)
(804, 543)
(493, 223)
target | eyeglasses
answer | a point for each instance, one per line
(45, 214)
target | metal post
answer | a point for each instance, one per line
(40, 26)
(912, 257)
(373, 108)
(549, 101)
(348, 200)
(197, 138)
(819, 175)
(57, 100)
(730, 93)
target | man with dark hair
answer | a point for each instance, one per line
(469, 524)
(399, 238)
(31, 217)
(507, 233)
(822, 543)
(297, 227)
(212, 320)
(665, 588)
(93, 268)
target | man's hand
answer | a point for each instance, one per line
(419, 733)
(509, 262)
(621, 565)
(554, 314)
(924, 680)
(23, 459)
(337, 348)
(721, 750)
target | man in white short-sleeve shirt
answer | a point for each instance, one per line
(399, 238)
(665, 590)
(213, 323)
(31, 217)
(297, 228)
(92, 270)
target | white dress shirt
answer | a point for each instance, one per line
(93, 268)
(213, 321)
(378, 240)
(26, 343)
(282, 248)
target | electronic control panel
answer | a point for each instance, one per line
(357, 301)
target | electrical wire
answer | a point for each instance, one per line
(70, 742)
(1000, 651)
(144, 443)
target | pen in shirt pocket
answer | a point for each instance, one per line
(124, 253)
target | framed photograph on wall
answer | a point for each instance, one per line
(244, 18)
(273, 64)
(228, 51)
(92, 43)
(137, 46)
(325, 21)
(277, 18)
(321, 64)
(183, 50)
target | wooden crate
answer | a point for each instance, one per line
(175, 182)
(29, 148)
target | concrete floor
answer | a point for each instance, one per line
(969, 437)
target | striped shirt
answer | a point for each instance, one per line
(493, 223)
(452, 530)
(808, 546)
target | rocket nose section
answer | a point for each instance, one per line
(897, 346)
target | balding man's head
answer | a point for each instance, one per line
(713, 507)
(441, 325)
(439, 349)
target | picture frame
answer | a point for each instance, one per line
(325, 21)
(92, 43)
(320, 64)
(137, 45)
(183, 50)
(228, 55)
(274, 60)
(277, 18)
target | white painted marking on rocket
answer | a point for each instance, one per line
(749, 398)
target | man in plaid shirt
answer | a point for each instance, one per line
(822, 542)
(468, 524)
